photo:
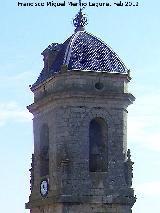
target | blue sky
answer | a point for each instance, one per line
(133, 33)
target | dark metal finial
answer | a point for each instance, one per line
(80, 19)
(80, 4)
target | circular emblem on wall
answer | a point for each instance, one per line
(99, 85)
(44, 186)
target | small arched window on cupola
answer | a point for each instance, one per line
(44, 150)
(98, 156)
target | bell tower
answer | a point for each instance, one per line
(81, 163)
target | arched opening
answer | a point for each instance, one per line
(44, 150)
(98, 145)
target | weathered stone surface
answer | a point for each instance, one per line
(67, 103)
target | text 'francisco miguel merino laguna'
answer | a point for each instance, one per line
(63, 3)
(83, 4)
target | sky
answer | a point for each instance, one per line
(133, 33)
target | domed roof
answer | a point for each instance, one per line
(85, 52)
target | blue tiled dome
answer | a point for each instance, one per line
(85, 52)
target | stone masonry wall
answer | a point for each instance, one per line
(67, 106)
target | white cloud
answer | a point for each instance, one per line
(11, 112)
(144, 122)
(144, 133)
(148, 189)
